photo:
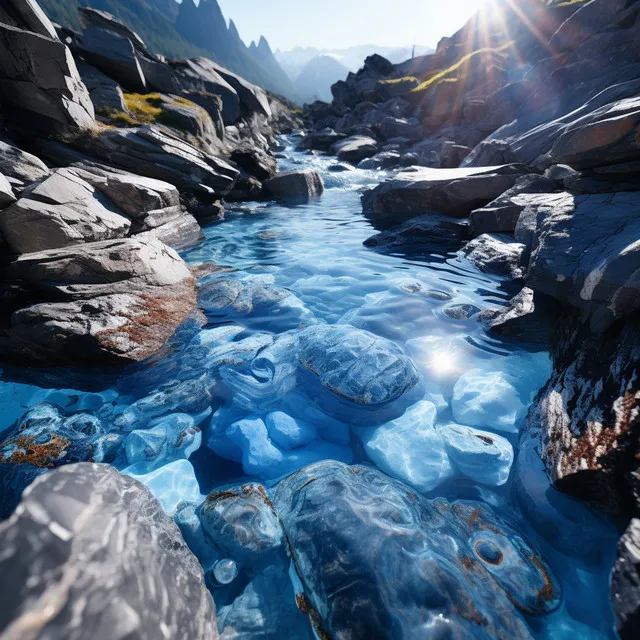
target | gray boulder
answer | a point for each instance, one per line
(158, 154)
(115, 56)
(410, 129)
(497, 254)
(586, 254)
(20, 165)
(38, 76)
(295, 185)
(60, 211)
(501, 215)
(377, 560)
(455, 192)
(355, 364)
(383, 160)
(253, 98)
(121, 301)
(625, 583)
(105, 93)
(90, 552)
(201, 74)
(490, 153)
(355, 148)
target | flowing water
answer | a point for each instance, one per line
(289, 267)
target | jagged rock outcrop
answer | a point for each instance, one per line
(101, 558)
(39, 76)
(102, 303)
(20, 165)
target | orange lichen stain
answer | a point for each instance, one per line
(305, 606)
(42, 455)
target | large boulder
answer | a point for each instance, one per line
(455, 192)
(355, 364)
(376, 559)
(297, 185)
(252, 98)
(60, 211)
(38, 77)
(106, 94)
(355, 148)
(107, 302)
(586, 252)
(115, 56)
(91, 552)
(201, 75)
(585, 420)
(28, 15)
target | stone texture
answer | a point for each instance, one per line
(297, 185)
(452, 191)
(105, 302)
(18, 164)
(252, 98)
(402, 559)
(91, 552)
(7, 196)
(355, 148)
(61, 210)
(105, 93)
(38, 76)
(625, 583)
(586, 254)
(585, 420)
(495, 253)
(28, 15)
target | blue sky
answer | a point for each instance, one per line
(343, 23)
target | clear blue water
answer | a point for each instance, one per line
(240, 417)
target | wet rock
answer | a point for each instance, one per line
(455, 192)
(356, 364)
(489, 400)
(496, 253)
(529, 317)
(60, 211)
(588, 447)
(122, 300)
(18, 164)
(51, 91)
(461, 311)
(432, 231)
(410, 448)
(299, 185)
(586, 255)
(242, 523)
(625, 582)
(482, 456)
(92, 543)
(201, 74)
(403, 558)
(355, 149)
(322, 140)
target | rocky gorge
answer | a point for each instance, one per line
(367, 369)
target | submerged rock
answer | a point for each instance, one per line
(403, 558)
(80, 559)
(496, 253)
(355, 364)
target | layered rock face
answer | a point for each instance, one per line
(38, 73)
(101, 558)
